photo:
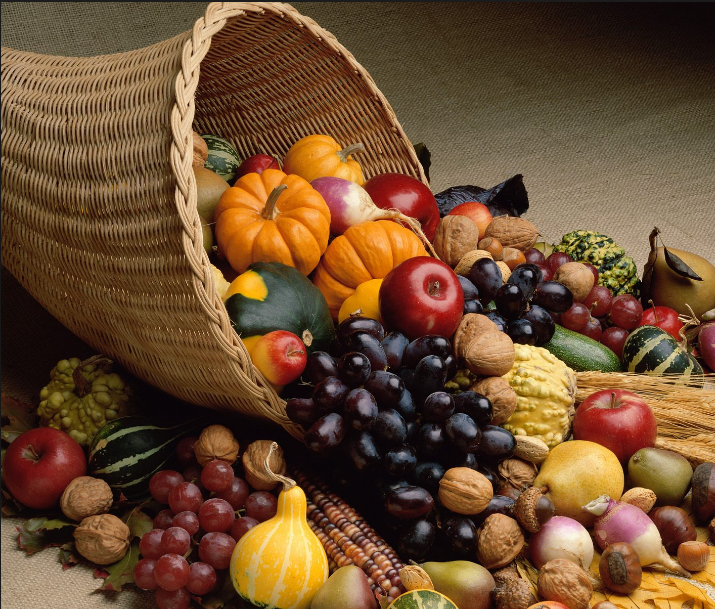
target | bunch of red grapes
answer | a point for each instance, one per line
(189, 550)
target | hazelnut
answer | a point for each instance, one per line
(577, 278)
(530, 448)
(516, 594)
(644, 498)
(513, 257)
(102, 539)
(517, 473)
(513, 232)
(502, 396)
(694, 555)
(499, 541)
(216, 442)
(465, 491)
(493, 246)
(415, 577)
(565, 582)
(455, 236)
(620, 568)
(533, 508)
(86, 496)
(254, 464)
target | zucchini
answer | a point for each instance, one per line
(652, 350)
(581, 353)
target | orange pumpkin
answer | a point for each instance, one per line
(369, 250)
(318, 156)
(272, 217)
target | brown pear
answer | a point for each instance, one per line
(347, 588)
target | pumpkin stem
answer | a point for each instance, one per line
(82, 386)
(348, 150)
(269, 211)
(307, 338)
(288, 483)
(416, 228)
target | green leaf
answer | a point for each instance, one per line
(16, 418)
(39, 533)
(137, 521)
(122, 571)
(68, 555)
(57, 523)
(225, 598)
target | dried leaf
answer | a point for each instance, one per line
(137, 521)
(10, 506)
(39, 533)
(677, 265)
(122, 571)
(68, 555)
(16, 417)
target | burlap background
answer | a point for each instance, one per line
(608, 110)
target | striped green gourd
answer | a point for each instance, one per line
(652, 350)
(223, 157)
(422, 599)
(128, 451)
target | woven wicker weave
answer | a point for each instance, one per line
(99, 219)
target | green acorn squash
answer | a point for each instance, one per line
(652, 350)
(222, 158)
(273, 296)
(422, 599)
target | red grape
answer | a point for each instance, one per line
(171, 572)
(189, 521)
(216, 515)
(576, 317)
(216, 549)
(236, 494)
(176, 541)
(261, 505)
(192, 473)
(163, 519)
(598, 300)
(546, 273)
(241, 526)
(614, 338)
(202, 578)
(556, 259)
(592, 329)
(174, 599)
(150, 544)
(144, 574)
(626, 312)
(593, 270)
(534, 256)
(185, 497)
(185, 451)
(162, 482)
(217, 475)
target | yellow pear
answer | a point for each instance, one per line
(577, 472)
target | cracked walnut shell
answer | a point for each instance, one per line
(499, 541)
(216, 442)
(254, 461)
(102, 539)
(85, 496)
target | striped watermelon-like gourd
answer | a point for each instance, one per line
(652, 350)
(128, 451)
(223, 157)
(422, 599)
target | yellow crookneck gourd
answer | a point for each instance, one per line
(280, 563)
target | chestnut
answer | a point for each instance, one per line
(703, 485)
(694, 555)
(674, 525)
(620, 568)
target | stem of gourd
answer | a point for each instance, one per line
(269, 211)
(348, 150)
(288, 483)
(416, 228)
(82, 386)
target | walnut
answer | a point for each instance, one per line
(565, 582)
(465, 491)
(254, 464)
(514, 594)
(102, 539)
(471, 326)
(644, 498)
(502, 396)
(86, 496)
(513, 232)
(499, 541)
(455, 236)
(467, 261)
(490, 354)
(577, 278)
(415, 577)
(531, 449)
(216, 442)
(201, 150)
(517, 473)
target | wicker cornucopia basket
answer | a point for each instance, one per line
(99, 198)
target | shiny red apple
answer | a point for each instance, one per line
(408, 195)
(39, 465)
(256, 164)
(664, 318)
(476, 212)
(421, 296)
(280, 355)
(618, 419)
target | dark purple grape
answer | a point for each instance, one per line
(497, 443)
(302, 411)
(461, 535)
(406, 406)
(430, 376)
(462, 432)
(429, 344)
(451, 362)
(354, 368)
(510, 301)
(329, 394)
(409, 502)
(499, 504)
(357, 323)
(437, 407)
(407, 375)
(413, 432)
(527, 276)
(386, 387)
(543, 323)
(360, 409)
(490, 475)
(472, 306)
(394, 345)
(553, 296)
(497, 319)
(362, 451)
(390, 428)
(431, 440)
(487, 278)
(400, 460)
(319, 365)
(325, 434)
(427, 474)
(476, 405)
(386, 485)
(521, 331)
(416, 540)
(457, 458)
(365, 343)
(336, 349)
(468, 288)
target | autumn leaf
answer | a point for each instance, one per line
(68, 555)
(41, 532)
(10, 506)
(15, 417)
(122, 571)
(138, 521)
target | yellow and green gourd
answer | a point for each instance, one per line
(422, 599)
(280, 563)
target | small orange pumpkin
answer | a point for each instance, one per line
(272, 217)
(318, 156)
(369, 250)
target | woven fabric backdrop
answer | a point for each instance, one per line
(608, 110)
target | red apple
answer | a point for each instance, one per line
(408, 195)
(476, 212)
(280, 355)
(618, 419)
(421, 296)
(39, 465)
(664, 318)
(256, 164)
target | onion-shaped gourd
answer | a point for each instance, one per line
(319, 156)
(364, 302)
(280, 563)
(546, 392)
(272, 217)
(422, 599)
(369, 250)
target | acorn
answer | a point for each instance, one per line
(533, 508)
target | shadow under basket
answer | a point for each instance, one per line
(99, 220)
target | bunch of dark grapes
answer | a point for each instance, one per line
(209, 509)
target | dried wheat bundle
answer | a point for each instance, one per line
(697, 449)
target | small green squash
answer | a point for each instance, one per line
(422, 599)
(273, 296)
(223, 157)
(652, 350)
